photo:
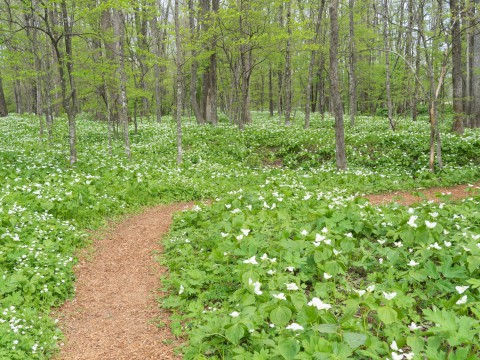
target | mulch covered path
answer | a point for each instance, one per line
(114, 313)
(410, 197)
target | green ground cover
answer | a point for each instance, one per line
(290, 262)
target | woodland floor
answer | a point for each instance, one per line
(115, 315)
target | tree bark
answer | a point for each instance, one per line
(341, 158)
(288, 67)
(352, 65)
(3, 103)
(179, 64)
(475, 119)
(387, 66)
(456, 67)
(119, 31)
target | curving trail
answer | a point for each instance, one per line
(111, 316)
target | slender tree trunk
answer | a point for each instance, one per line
(193, 69)
(475, 119)
(457, 67)
(387, 66)
(288, 67)
(270, 90)
(119, 30)
(179, 60)
(352, 64)
(3, 103)
(308, 97)
(341, 158)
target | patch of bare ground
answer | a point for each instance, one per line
(415, 196)
(113, 313)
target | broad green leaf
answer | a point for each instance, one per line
(387, 314)
(354, 340)
(281, 315)
(288, 348)
(326, 328)
(235, 333)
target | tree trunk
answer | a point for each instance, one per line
(387, 66)
(475, 119)
(341, 158)
(3, 103)
(288, 67)
(270, 90)
(352, 64)
(119, 31)
(457, 67)
(193, 70)
(179, 60)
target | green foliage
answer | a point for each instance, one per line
(275, 189)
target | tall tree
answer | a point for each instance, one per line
(179, 66)
(3, 103)
(352, 63)
(456, 67)
(341, 158)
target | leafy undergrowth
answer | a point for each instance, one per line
(46, 204)
(287, 273)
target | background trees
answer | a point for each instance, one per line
(239, 56)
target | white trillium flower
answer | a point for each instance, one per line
(411, 210)
(181, 290)
(434, 214)
(413, 326)
(319, 238)
(294, 327)
(381, 242)
(252, 261)
(430, 225)
(394, 345)
(336, 252)
(324, 230)
(435, 246)
(327, 275)
(461, 289)
(224, 234)
(371, 288)
(319, 304)
(447, 243)
(290, 268)
(413, 263)
(328, 242)
(360, 292)
(245, 231)
(264, 257)
(291, 286)
(256, 286)
(396, 356)
(280, 296)
(462, 301)
(389, 296)
(409, 356)
(234, 314)
(316, 244)
(411, 221)
(304, 232)
(380, 260)
(239, 237)
(271, 272)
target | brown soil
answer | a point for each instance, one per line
(436, 194)
(114, 314)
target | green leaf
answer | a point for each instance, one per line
(473, 263)
(326, 328)
(387, 314)
(298, 299)
(288, 348)
(354, 340)
(235, 333)
(281, 315)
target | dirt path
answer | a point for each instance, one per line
(111, 315)
(408, 197)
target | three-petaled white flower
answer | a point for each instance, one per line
(304, 232)
(411, 221)
(245, 231)
(389, 296)
(462, 301)
(181, 290)
(294, 327)
(360, 292)
(327, 275)
(413, 326)
(256, 286)
(430, 225)
(461, 289)
(413, 263)
(319, 304)
(370, 288)
(291, 286)
(280, 296)
(234, 314)
(252, 261)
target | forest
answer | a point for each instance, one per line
(278, 125)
